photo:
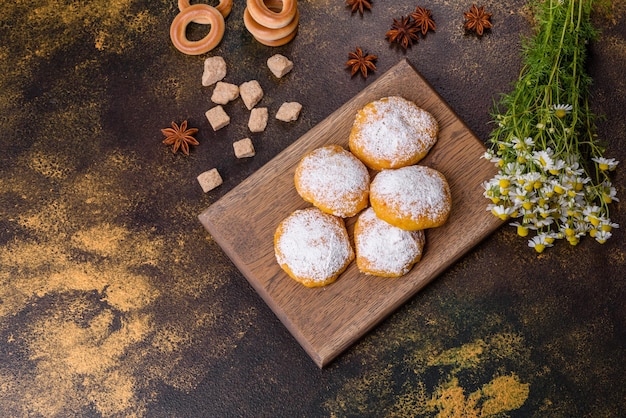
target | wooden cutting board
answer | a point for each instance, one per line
(327, 320)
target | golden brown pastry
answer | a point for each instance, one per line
(334, 180)
(412, 198)
(312, 247)
(392, 132)
(383, 249)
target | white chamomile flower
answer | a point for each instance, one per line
(522, 144)
(609, 194)
(501, 211)
(561, 110)
(532, 180)
(544, 158)
(513, 169)
(557, 166)
(601, 236)
(605, 164)
(581, 228)
(560, 188)
(529, 142)
(539, 242)
(522, 229)
(591, 214)
(607, 225)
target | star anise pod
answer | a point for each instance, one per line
(360, 5)
(477, 20)
(403, 31)
(180, 137)
(361, 61)
(423, 19)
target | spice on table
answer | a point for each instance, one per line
(360, 5)
(403, 32)
(477, 20)
(360, 61)
(423, 19)
(180, 137)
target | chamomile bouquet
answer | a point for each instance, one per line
(553, 179)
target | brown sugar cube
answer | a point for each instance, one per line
(258, 119)
(279, 65)
(209, 180)
(289, 111)
(217, 117)
(251, 93)
(224, 93)
(244, 148)
(214, 70)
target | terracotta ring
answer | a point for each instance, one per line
(261, 32)
(273, 14)
(277, 42)
(224, 7)
(188, 15)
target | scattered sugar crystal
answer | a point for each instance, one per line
(217, 117)
(258, 119)
(244, 148)
(214, 70)
(289, 111)
(209, 180)
(279, 65)
(251, 93)
(224, 93)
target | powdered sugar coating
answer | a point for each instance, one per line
(312, 246)
(392, 132)
(383, 249)
(413, 197)
(334, 180)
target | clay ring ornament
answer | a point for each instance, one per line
(267, 34)
(224, 7)
(189, 14)
(273, 14)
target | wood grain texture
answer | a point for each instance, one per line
(327, 320)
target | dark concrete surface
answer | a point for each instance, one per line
(114, 301)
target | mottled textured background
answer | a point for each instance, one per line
(114, 301)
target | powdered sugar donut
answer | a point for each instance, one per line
(392, 132)
(334, 180)
(312, 247)
(411, 198)
(383, 249)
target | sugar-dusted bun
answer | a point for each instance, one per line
(392, 132)
(383, 249)
(313, 247)
(411, 198)
(334, 180)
